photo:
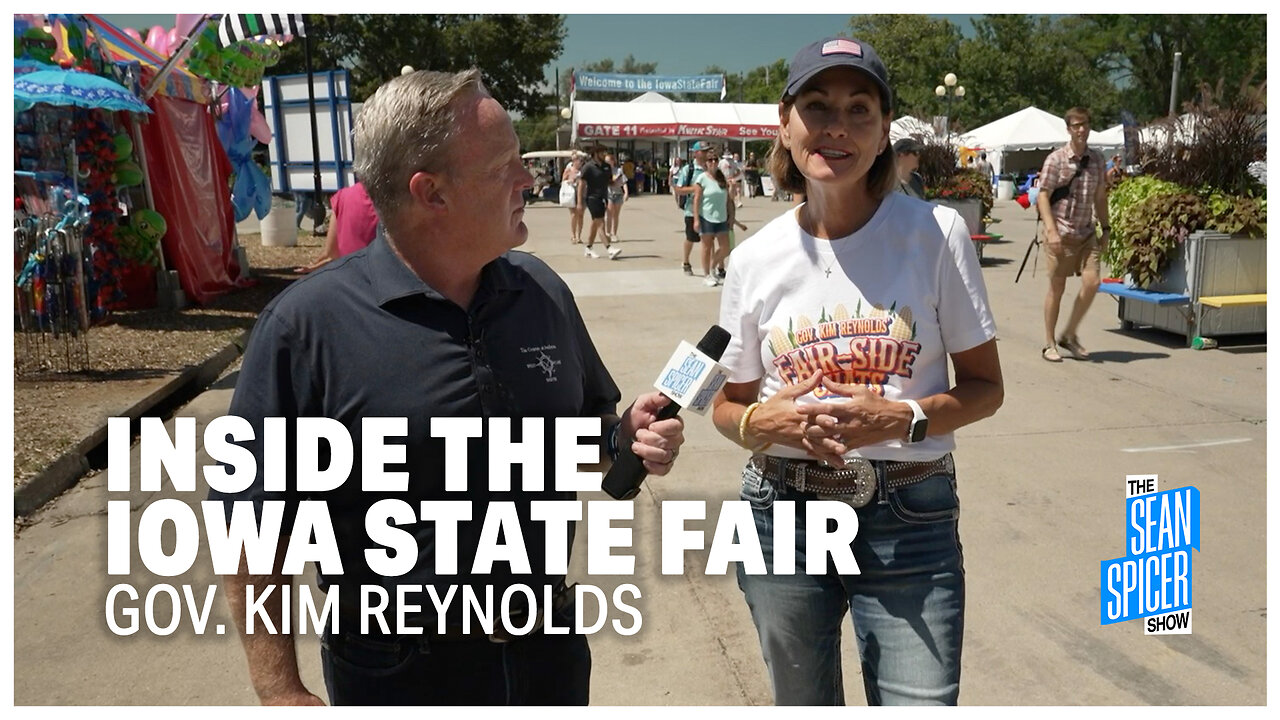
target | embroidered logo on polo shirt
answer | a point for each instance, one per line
(543, 361)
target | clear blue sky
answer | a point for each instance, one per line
(686, 44)
(680, 44)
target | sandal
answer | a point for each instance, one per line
(1073, 346)
(1050, 353)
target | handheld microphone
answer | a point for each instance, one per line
(691, 379)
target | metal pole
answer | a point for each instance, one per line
(948, 120)
(557, 118)
(316, 207)
(1173, 91)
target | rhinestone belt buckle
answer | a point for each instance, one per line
(862, 476)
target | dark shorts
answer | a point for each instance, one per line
(710, 228)
(595, 204)
(689, 233)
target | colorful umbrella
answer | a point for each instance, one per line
(68, 87)
(27, 65)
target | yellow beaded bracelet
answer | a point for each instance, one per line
(742, 428)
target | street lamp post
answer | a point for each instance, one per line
(948, 90)
(566, 114)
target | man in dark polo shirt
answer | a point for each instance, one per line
(436, 319)
(593, 192)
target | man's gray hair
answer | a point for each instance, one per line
(404, 129)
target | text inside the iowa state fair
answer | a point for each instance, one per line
(167, 536)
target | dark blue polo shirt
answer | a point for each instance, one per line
(365, 337)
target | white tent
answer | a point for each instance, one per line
(652, 97)
(1159, 132)
(1021, 141)
(907, 126)
(1112, 137)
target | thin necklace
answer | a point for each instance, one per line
(830, 265)
(800, 220)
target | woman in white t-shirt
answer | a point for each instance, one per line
(570, 179)
(844, 313)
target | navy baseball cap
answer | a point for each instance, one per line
(837, 52)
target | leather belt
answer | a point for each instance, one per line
(856, 482)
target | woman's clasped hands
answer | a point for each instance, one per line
(829, 429)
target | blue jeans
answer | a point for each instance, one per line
(304, 205)
(907, 601)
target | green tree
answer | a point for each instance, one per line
(510, 51)
(1014, 61)
(537, 132)
(1138, 50)
(917, 51)
(765, 84)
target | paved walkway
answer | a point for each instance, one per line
(1041, 484)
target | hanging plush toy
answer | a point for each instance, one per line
(139, 241)
(239, 65)
(36, 44)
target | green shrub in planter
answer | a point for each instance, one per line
(1151, 218)
(944, 179)
(1158, 227)
(1236, 214)
(964, 184)
(1122, 203)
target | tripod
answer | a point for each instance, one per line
(1035, 242)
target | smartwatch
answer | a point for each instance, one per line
(919, 426)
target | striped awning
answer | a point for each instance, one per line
(235, 28)
(180, 83)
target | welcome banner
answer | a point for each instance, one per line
(614, 82)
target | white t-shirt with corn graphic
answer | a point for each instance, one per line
(883, 307)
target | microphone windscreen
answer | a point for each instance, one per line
(713, 344)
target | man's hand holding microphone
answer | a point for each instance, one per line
(690, 380)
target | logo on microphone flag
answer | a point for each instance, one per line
(691, 378)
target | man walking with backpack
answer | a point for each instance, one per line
(1072, 195)
(682, 189)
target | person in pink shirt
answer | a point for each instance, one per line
(353, 225)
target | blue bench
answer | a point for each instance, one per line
(1124, 293)
(1151, 296)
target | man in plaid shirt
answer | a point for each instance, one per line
(1071, 242)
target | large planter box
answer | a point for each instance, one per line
(970, 210)
(1211, 264)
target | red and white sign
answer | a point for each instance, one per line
(675, 130)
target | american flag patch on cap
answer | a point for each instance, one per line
(841, 46)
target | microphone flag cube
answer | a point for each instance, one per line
(691, 378)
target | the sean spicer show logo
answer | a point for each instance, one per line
(1153, 579)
